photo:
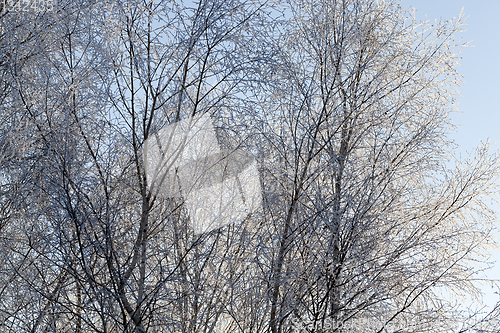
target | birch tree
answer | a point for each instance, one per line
(371, 223)
(345, 106)
(104, 253)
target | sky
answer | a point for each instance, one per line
(479, 101)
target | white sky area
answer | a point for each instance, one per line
(479, 106)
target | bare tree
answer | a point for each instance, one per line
(370, 222)
(105, 254)
(345, 106)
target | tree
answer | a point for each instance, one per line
(344, 105)
(370, 221)
(105, 254)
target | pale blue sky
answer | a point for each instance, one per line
(480, 68)
(480, 117)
